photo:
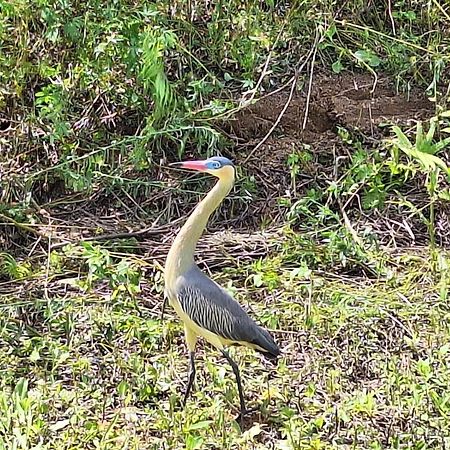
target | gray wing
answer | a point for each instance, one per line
(212, 308)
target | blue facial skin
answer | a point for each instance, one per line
(217, 162)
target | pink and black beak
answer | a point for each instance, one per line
(200, 166)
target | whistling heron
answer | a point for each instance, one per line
(206, 309)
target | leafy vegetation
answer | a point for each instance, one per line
(339, 227)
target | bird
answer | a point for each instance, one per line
(207, 310)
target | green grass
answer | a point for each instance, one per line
(365, 365)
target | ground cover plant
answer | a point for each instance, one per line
(335, 236)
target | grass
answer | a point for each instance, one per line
(339, 246)
(364, 365)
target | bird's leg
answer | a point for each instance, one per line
(191, 341)
(235, 368)
(191, 377)
(163, 308)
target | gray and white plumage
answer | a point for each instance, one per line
(212, 308)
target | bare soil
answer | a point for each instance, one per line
(353, 102)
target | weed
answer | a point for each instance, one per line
(424, 153)
(13, 269)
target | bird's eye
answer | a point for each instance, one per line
(215, 164)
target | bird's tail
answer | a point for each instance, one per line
(266, 345)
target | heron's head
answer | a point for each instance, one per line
(218, 166)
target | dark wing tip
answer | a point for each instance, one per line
(266, 342)
(270, 356)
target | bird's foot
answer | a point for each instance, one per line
(180, 402)
(245, 414)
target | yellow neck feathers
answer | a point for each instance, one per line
(181, 254)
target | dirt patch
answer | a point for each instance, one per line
(350, 101)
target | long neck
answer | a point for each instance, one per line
(181, 254)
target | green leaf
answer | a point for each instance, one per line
(257, 280)
(368, 57)
(419, 136)
(123, 388)
(424, 368)
(431, 130)
(337, 67)
(403, 142)
(430, 161)
(22, 388)
(442, 144)
(35, 356)
(200, 425)
(444, 195)
(300, 272)
(194, 442)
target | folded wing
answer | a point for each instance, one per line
(213, 309)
